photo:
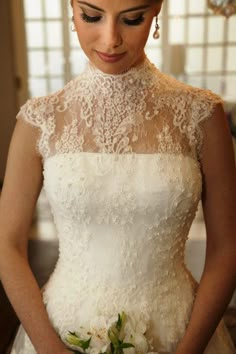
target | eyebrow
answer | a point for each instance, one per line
(142, 7)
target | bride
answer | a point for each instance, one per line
(125, 153)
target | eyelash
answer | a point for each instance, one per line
(90, 19)
(93, 19)
(137, 21)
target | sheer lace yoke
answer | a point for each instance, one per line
(122, 177)
(140, 111)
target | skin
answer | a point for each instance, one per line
(218, 280)
(23, 181)
(111, 35)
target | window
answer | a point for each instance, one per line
(209, 44)
(195, 46)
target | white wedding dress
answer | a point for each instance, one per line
(121, 157)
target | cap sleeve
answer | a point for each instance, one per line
(202, 103)
(40, 113)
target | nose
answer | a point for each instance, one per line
(112, 35)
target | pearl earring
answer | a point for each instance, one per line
(156, 34)
(72, 25)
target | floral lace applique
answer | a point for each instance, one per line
(141, 111)
(123, 181)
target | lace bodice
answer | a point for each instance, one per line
(122, 175)
(141, 111)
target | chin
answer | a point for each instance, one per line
(113, 68)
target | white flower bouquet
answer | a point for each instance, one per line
(125, 335)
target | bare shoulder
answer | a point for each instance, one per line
(217, 143)
(22, 182)
(219, 176)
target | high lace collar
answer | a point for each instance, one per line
(143, 74)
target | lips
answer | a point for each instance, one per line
(110, 58)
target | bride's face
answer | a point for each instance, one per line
(113, 33)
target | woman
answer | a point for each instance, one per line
(125, 153)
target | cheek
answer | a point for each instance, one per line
(85, 33)
(138, 39)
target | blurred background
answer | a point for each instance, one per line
(40, 53)
(195, 45)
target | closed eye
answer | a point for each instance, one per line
(135, 22)
(90, 19)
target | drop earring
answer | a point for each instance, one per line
(72, 25)
(156, 34)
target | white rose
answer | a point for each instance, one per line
(140, 342)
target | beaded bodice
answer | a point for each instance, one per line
(121, 171)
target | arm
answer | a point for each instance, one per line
(219, 205)
(22, 184)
